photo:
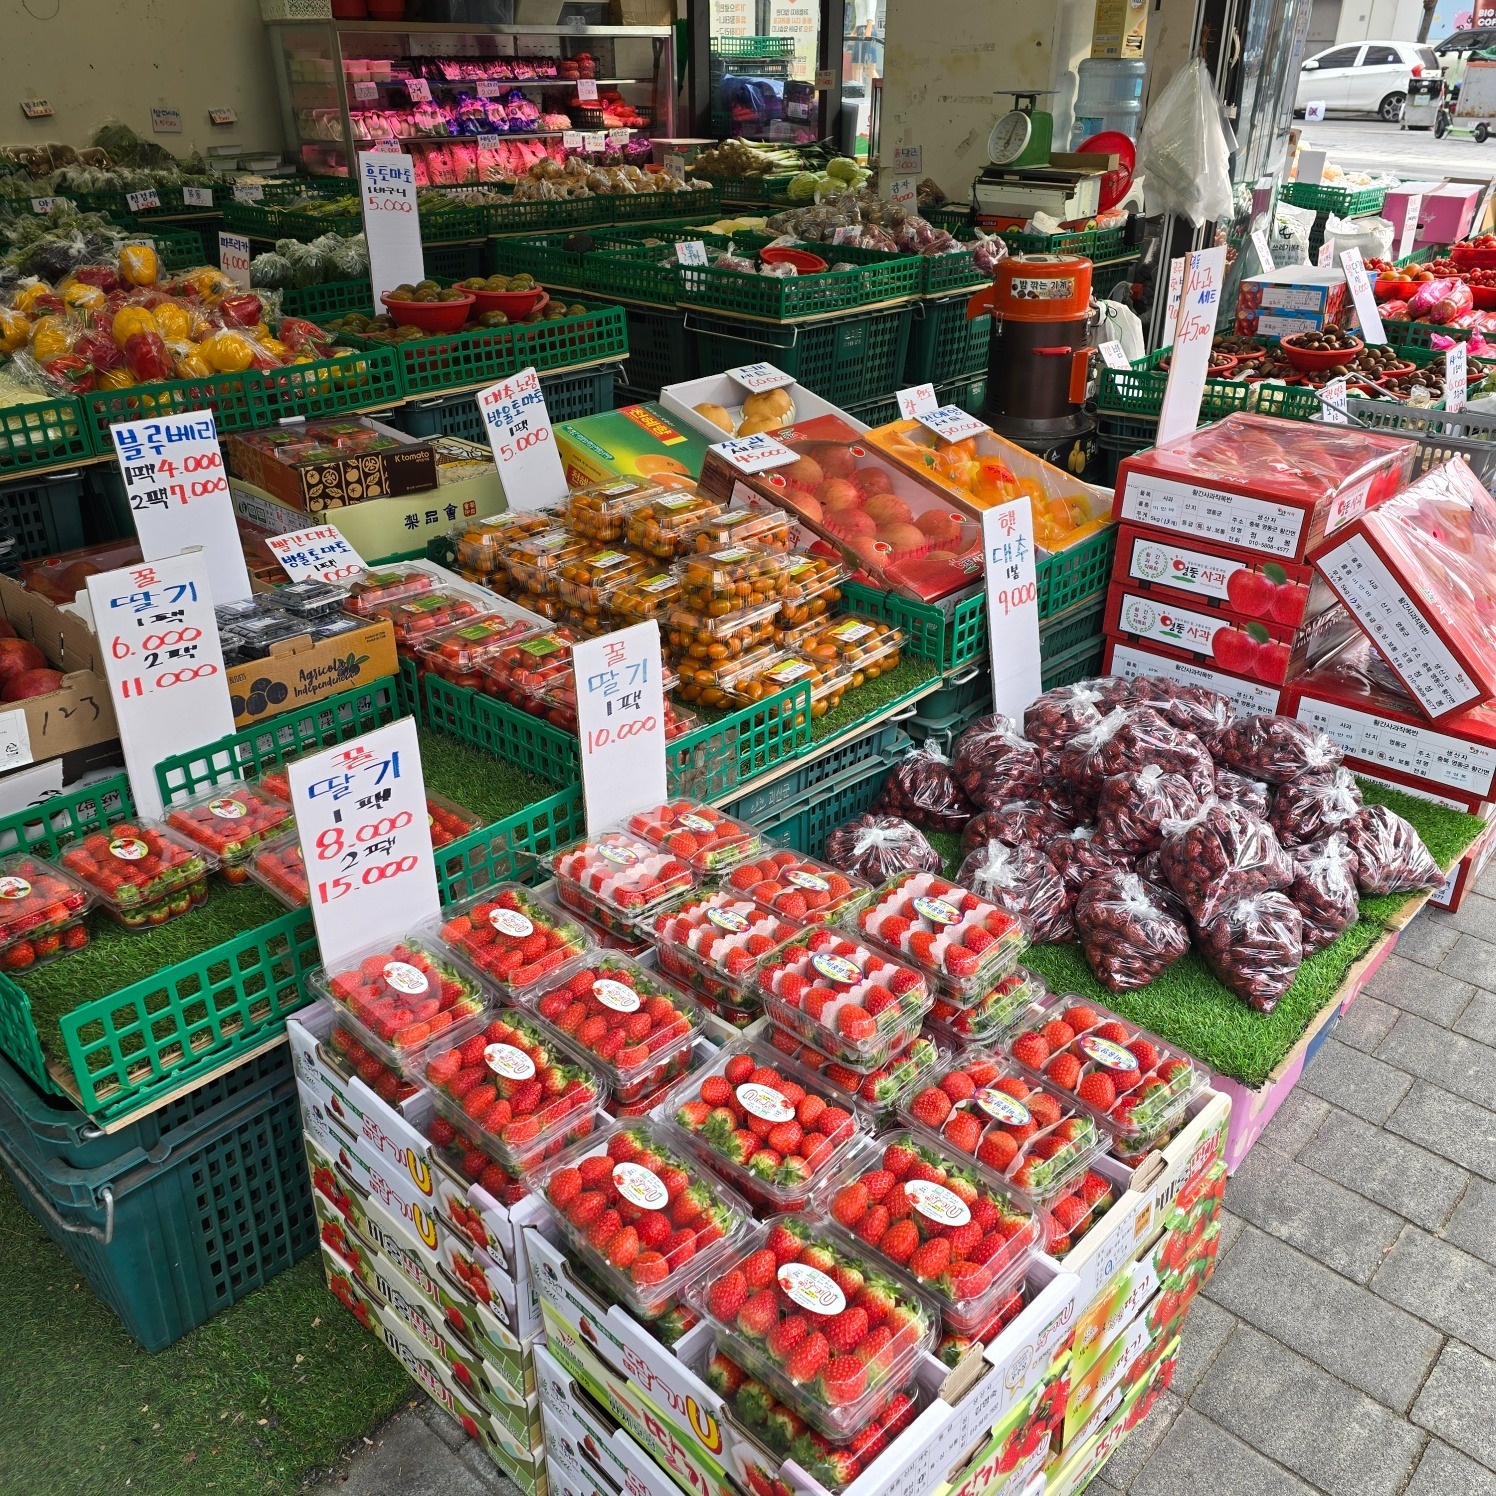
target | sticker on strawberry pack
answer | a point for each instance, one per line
(508, 936)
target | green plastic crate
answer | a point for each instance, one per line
(959, 691)
(1078, 572)
(364, 379)
(877, 412)
(805, 825)
(660, 207)
(169, 1240)
(47, 433)
(568, 397)
(1139, 391)
(1082, 661)
(454, 262)
(948, 636)
(954, 218)
(1066, 631)
(1095, 244)
(44, 514)
(948, 726)
(884, 744)
(660, 353)
(263, 220)
(1412, 336)
(744, 293)
(847, 360)
(944, 346)
(331, 299)
(237, 401)
(537, 215)
(952, 272)
(767, 189)
(177, 249)
(1343, 202)
(542, 255)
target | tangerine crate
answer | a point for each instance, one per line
(948, 636)
(46, 433)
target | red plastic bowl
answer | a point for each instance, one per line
(1310, 359)
(514, 304)
(429, 316)
(1485, 297)
(802, 259)
(1468, 257)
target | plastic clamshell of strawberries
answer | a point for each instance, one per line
(706, 840)
(713, 939)
(353, 1050)
(278, 868)
(37, 898)
(136, 864)
(843, 1392)
(620, 871)
(990, 1233)
(506, 937)
(231, 820)
(991, 1017)
(1149, 1082)
(632, 1025)
(880, 1090)
(649, 1221)
(800, 888)
(758, 1107)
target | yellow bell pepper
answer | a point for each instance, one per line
(193, 365)
(76, 294)
(275, 346)
(15, 328)
(173, 321)
(210, 282)
(227, 352)
(116, 379)
(28, 296)
(138, 265)
(129, 320)
(50, 338)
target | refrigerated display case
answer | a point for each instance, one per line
(470, 103)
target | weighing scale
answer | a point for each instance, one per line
(1019, 180)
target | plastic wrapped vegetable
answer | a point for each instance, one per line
(1275, 749)
(924, 790)
(1324, 889)
(1255, 946)
(1018, 823)
(1023, 881)
(994, 763)
(1237, 789)
(1127, 932)
(1309, 808)
(1220, 856)
(1390, 854)
(1131, 808)
(877, 847)
(1126, 740)
(1080, 855)
(272, 271)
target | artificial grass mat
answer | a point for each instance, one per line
(873, 696)
(264, 1394)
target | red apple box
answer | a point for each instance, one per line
(1466, 872)
(1131, 661)
(1271, 487)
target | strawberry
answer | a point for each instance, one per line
(963, 1131)
(624, 1247)
(759, 1314)
(1069, 1213)
(932, 1259)
(1064, 1071)
(1144, 1053)
(786, 1335)
(850, 1204)
(845, 1380)
(1094, 1189)
(807, 1358)
(931, 1107)
(898, 1243)
(844, 1331)
(877, 1184)
(874, 1345)
(724, 1376)
(727, 1296)
(1031, 1049)
(1097, 1090)
(958, 1086)
(898, 1160)
(758, 1269)
(872, 1225)
(784, 1244)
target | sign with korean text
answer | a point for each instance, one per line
(952, 424)
(572, 140)
(524, 447)
(587, 90)
(1199, 303)
(249, 192)
(908, 158)
(163, 661)
(222, 117)
(1409, 231)
(318, 554)
(690, 252)
(675, 165)
(166, 121)
(825, 78)
(620, 722)
(1176, 290)
(756, 378)
(392, 224)
(365, 838)
(419, 90)
(365, 92)
(147, 198)
(178, 492)
(596, 140)
(619, 136)
(197, 197)
(234, 257)
(1456, 367)
(1326, 254)
(754, 454)
(1359, 284)
(44, 205)
(918, 400)
(1012, 605)
(1113, 355)
(904, 192)
(36, 109)
(1332, 402)
(1263, 250)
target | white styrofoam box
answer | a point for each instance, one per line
(718, 389)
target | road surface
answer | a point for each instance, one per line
(1369, 145)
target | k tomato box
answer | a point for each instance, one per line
(1258, 484)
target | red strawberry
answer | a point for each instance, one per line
(850, 1204)
(932, 1259)
(899, 1241)
(1144, 1053)
(783, 1244)
(845, 1379)
(1064, 1070)
(1097, 1090)
(759, 1314)
(963, 1131)
(758, 1269)
(727, 1296)
(1031, 1049)
(899, 1160)
(786, 1335)
(931, 1107)
(807, 1359)
(844, 1331)
(958, 1085)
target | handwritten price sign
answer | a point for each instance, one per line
(316, 554)
(524, 447)
(392, 224)
(621, 722)
(756, 378)
(1199, 305)
(951, 423)
(365, 839)
(163, 661)
(178, 492)
(754, 454)
(1012, 604)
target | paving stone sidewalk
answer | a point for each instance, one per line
(1346, 1344)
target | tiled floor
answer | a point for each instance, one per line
(1347, 1342)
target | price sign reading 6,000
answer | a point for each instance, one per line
(365, 839)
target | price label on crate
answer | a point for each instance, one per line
(1012, 604)
(140, 201)
(365, 838)
(620, 722)
(690, 252)
(903, 192)
(754, 454)
(1113, 355)
(572, 140)
(756, 378)
(587, 90)
(197, 197)
(918, 400)
(1199, 305)
(524, 446)
(596, 140)
(909, 158)
(491, 88)
(233, 257)
(676, 166)
(618, 137)
(249, 192)
(486, 142)
(365, 92)
(952, 423)
(1263, 250)
(1359, 283)
(163, 661)
(46, 204)
(178, 491)
(318, 554)
(1456, 366)
(392, 222)
(419, 90)
(1332, 402)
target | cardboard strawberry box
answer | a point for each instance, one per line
(1131, 661)
(1418, 573)
(1354, 697)
(1271, 487)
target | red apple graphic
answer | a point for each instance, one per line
(1234, 650)
(1289, 602)
(1250, 592)
(1271, 664)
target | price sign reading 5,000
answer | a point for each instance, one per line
(365, 839)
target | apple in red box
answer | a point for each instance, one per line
(24, 683)
(1131, 661)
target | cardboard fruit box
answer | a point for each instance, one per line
(298, 671)
(637, 441)
(1248, 696)
(320, 465)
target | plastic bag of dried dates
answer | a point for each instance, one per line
(1189, 708)
(1129, 739)
(1080, 855)
(994, 763)
(1023, 881)
(1255, 946)
(878, 847)
(1390, 854)
(1019, 823)
(1219, 856)
(1275, 749)
(1067, 803)
(922, 789)
(1129, 937)
(1324, 889)
(1051, 720)
(1132, 807)
(1309, 808)
(1237, 789)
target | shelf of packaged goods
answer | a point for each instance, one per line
(472, 83)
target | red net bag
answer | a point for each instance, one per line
(1130, 739)
(1236, 789)
(1132, 807)
(1309, 808)
(879, 847)
(1275, 749)
(1126, 931)
(1390, 854)
(1255, 946)
(1018, 823)
(1220, 856)
(1022, 881)
(922, 789)
(1324, 889)
(1080, 855)
(993, 763)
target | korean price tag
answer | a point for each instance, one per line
(524, 447)
(1456, 365)
(596, 140)
(222, 117)
(166, 121)
(1332, 402)
(1199, 305)
(1410, 225)
(43, 205)
(619, 137)
(1263, 249)
(620, 722)
(908, 158)
(392, 224)
(365, 92)
(1366, 304)
(587, 90)
(1176, 292)
(690, 252)
(248, 192)
(756, 378)
(1012, 605)
(754, 454)
(197, 197)
(365, 838)
(952, 424)
(163, 661)
(1326, 256)
(139, 201)
(490, 88)
(419, 90)
(676, 166)
(572, 140)
(178, 491)
(233, 257)
(1113, 355)
(904, 192)
(316, 554)
(918, 400)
